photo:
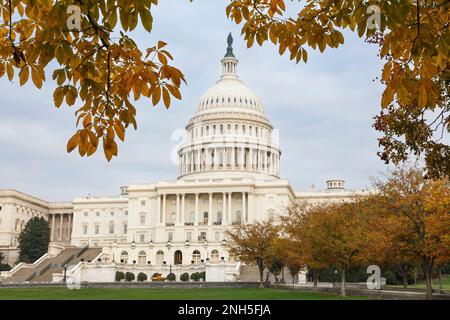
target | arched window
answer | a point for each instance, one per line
(111, 227)
(159, 258)
(97, 228)
(124, 257)
(196, 257)
(178, 257)
(215, 256)
(205, 217)
(142, 258)
(221, 129)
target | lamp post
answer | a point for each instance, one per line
(65, 274)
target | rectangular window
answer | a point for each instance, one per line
(125, 228)
(97, 229)
(85, 214)
(142, 238)
(189, 236)
(85, 229)
(142, 202)
(169, 236)
(142, 219)
(97, 214)
(217, 236)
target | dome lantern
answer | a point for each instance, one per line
(229, 62)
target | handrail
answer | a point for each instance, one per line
(31, 277)
(45, 269)
(67, 260)
(83, 250)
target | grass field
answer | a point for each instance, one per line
(445, 283)
(162, 294)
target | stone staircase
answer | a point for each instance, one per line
(250, 273)
(43, 272)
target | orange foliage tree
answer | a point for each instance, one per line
(253, 244)
(417, 212)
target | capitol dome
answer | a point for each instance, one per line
(229, 134)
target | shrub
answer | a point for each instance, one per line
(129, 276)
(120, 276)
(202, 275)
(184, 277)
(171, 277)
(5, 267)
(195, 276)
(142, 276)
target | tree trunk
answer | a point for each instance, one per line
(261, 275)
(282, 276)
(427, 270)
(440, 278)
(404, 277)
(343, 282)
(316, 279)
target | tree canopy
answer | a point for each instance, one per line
(34, 240)
(101, 70)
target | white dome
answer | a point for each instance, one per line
(230, 95)
(229, 136)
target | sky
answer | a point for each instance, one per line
(323, 110)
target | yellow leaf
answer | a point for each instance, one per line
(422, 100)
(23, 75)
(166, 98)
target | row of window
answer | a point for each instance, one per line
(111, 228)
(177, 257)
(212, 130)
(249, 102)
(97, 213)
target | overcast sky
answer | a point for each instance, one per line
(323, 110)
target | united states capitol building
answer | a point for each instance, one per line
(228, 175)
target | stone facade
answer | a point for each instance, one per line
(228, 175)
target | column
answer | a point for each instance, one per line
(177, 215)
(242, 158)
(158, 205)
(244, 207)
(233, 157)
(224, 208)
(183, 199)
(224, 158)
(60, 226)
(163, 220)
(196, 209)
(53, 228)
(250, 208)
(230, 219)
(69, 227)
(265, 160)
(216, 157)
(210, 213)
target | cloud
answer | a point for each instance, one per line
(323, 110)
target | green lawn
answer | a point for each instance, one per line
(162, 294)
(445, 283)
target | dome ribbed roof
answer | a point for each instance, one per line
(229, 95)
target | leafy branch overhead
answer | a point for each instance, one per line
(414, 41)
(100, 71)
